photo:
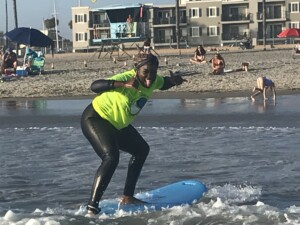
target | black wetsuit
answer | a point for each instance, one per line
(107, 141)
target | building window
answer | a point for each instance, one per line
(212, 12)
(294, 7)
(212, 31)
(183, 33)
(194, 13)
(196, 31)
(81, 37)
(294, 25)
(80, 18)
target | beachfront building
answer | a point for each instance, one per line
(163, 29)
(207, 22)
(227, 22)
(104, 27)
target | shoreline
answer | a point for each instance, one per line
(165, 95)
(70, 78)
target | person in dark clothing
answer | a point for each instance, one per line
(9, 60)
(106, 123)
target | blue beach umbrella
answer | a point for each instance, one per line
(30, 37)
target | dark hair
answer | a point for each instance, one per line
(218, 55)
(146, 59)
(202, 50)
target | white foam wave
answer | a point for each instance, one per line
(235, 128)
(215, 211)
(21, 129)
(236, 194)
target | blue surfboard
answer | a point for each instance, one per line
(175, 194)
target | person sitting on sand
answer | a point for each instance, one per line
(217, 64)
(263, 84)
(199, 55)
(297, 48)
(106, 123)
(147, 46)
(30, 55)
(9, 61)
(147, 49)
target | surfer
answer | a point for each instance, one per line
(263, 84)
(106, 123)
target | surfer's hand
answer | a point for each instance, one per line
(177, 77)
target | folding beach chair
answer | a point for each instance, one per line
(37, 66)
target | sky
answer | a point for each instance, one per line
(31, 13)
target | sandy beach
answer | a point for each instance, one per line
(70, 77)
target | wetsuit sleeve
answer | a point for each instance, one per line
(168, 83)
(102, 85)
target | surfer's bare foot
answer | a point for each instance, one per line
(131, 200)
(253, 99)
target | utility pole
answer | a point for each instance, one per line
(177, 25)
(6, 25)
(16, 22)
(264, 23)
(15, 13)
(56, 31)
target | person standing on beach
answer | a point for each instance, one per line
(106, 123)
(129, 22)
(263, 84)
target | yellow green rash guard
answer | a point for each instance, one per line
(121, 105)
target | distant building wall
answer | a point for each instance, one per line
(207, 22)
(80, 32)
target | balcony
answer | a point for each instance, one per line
(168, 21)
(234, 1)
(227, 36)
(102, 24)
(239, 17)
(274, 17)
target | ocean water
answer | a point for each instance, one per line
(246, 153)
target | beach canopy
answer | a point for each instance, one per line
(290, 32)
(29, 36)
